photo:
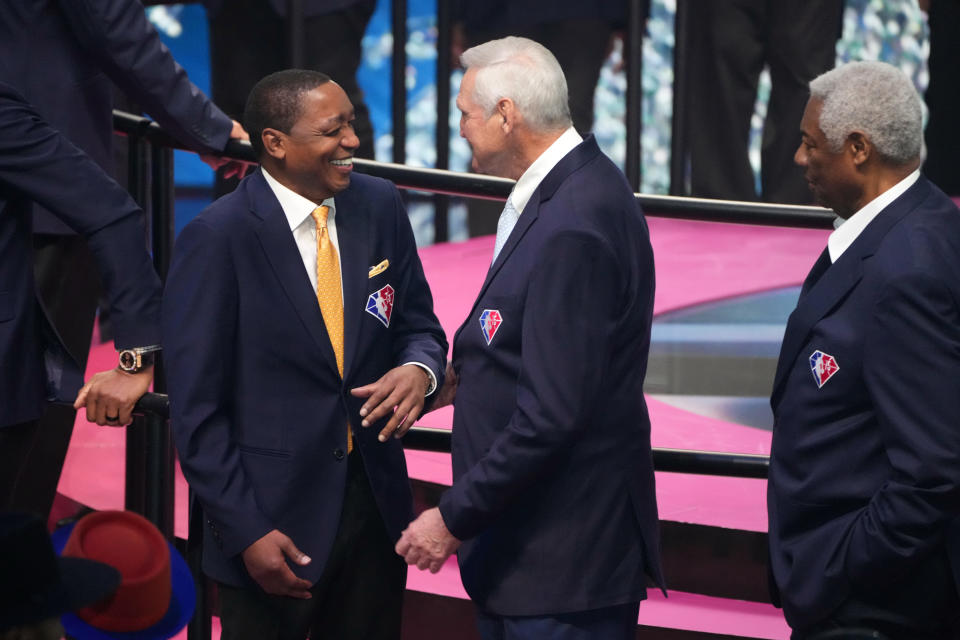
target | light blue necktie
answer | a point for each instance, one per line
(508, 219)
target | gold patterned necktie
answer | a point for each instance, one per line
(329, 292)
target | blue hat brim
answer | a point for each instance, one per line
(183, 600)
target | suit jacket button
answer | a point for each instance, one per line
(338, 454)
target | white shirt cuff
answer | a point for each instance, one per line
(433, 377)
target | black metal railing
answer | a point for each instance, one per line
(714, 463)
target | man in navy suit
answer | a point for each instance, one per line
(64, 57)
(302, 504)
(864, 489)
(37, 164)
(553, 494)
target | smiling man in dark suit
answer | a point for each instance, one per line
(553, 494)
(296, 312)
(864, 490)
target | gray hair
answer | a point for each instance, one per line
(876, 98)
(527, 73)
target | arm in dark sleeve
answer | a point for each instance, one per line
(128, 48)
(911, 367)
(38, 163)
(418, 336)
(554, 399)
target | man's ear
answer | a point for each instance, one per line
(507, 111)
(274, 143)
(860, 147)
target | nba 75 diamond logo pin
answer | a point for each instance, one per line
(490, 320)
(823, 367)
(380, 305)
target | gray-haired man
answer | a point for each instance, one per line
(864, 490)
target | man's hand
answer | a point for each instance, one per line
(401, 391)
(426, 542)
(110, 396)
(266, 563)
(448, 392)
(234, 168)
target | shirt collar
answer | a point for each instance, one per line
(850, 229)
(295, 207)
(536, 172)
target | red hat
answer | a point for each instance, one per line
(35, 584)
(156, 595)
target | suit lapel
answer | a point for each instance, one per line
(576, 158)
(821, 295)
(282, 253)
(830, 289)
(352, 229)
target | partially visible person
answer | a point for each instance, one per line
(37, 164)
(299, 340)
(942, 134)
(555, 24)
(731, 42)
(864, 486)
(37, 587)
(62, 57)
(553, 507)
(249, 39)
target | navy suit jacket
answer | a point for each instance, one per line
(553, 488)
(258, 409)
(38, 164)
(865, 465)
(61, 55)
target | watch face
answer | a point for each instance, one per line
(128, 360)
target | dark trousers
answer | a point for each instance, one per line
(921, 606)
(358, 597)
(32, 454)
(248, 41)
(609, 623)
(732, 41)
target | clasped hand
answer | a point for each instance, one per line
(400, 391)
(426, 542)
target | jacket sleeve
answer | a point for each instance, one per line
(418, 336)
(911, 368)
(128, 48)
(199, 337)
(38, 163)
(568, 316)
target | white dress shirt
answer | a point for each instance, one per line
(850, 229)
(544, 164)
(298, 211)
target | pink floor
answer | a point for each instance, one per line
(696, 262)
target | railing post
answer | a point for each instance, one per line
(678, 124)
(398, 78)
(295, 37)
(138, 163)
(159, 454)
(633, 56)
(441, 230)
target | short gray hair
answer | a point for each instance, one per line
(876, 98)
(527, 73)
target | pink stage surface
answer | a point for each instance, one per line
(696, 262)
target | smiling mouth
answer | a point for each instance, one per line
(345, 162)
